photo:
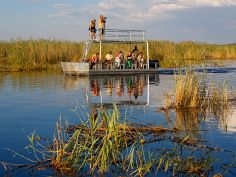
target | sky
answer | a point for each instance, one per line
(211, 21)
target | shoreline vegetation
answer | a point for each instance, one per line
(46, 54)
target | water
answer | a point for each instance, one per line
(35, 101)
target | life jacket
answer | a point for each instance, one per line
(101, 23)
(92, 24)
(93, 59)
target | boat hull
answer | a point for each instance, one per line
(82, 68)
(75, 68)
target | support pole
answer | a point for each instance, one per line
(147, 55)
(100, 51)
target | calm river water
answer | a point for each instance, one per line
(35, 101)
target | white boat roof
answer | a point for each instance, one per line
(123, 36)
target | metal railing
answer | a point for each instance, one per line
(124, 35)
(124, 66)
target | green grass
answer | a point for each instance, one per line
(44, 54)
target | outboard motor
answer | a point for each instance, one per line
(154, 64)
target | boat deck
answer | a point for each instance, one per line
(85, 68)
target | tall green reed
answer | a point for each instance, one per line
(45, 54)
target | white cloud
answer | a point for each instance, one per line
(215, 3)
(134, 10)
(63, 10)
(138, 10)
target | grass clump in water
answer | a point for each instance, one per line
(192, 92)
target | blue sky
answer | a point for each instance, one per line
(212, 21)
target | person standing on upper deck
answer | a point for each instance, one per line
(92, 29)
(101, 26)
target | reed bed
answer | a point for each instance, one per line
(194, 97)
(45, 54)
(192, 91)
(105, 144)
(26, 55)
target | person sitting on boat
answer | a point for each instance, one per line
(140, 60)
(93, 60)
(135, 49)
(135, 53)
(117, 61)
(122, 59)
(92, 29)
(129, 60)
(109, 59)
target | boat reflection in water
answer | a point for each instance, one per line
(109, 90)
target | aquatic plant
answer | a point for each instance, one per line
(168, 101)
(195, 97)
(190, 90)
(104, 144)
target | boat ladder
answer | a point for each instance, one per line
(86, 48)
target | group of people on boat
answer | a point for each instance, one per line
(101, 28)
(133, 58)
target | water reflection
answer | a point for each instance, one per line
(135, 90)
(34, 100)
(29, 80)
(231, 126)
(116, 85)
(187, 120)
(73, 82)
(114, 89)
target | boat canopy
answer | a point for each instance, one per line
(118, 36)
(124, 36)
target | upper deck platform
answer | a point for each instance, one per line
(123, 36)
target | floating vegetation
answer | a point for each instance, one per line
(107, 144)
